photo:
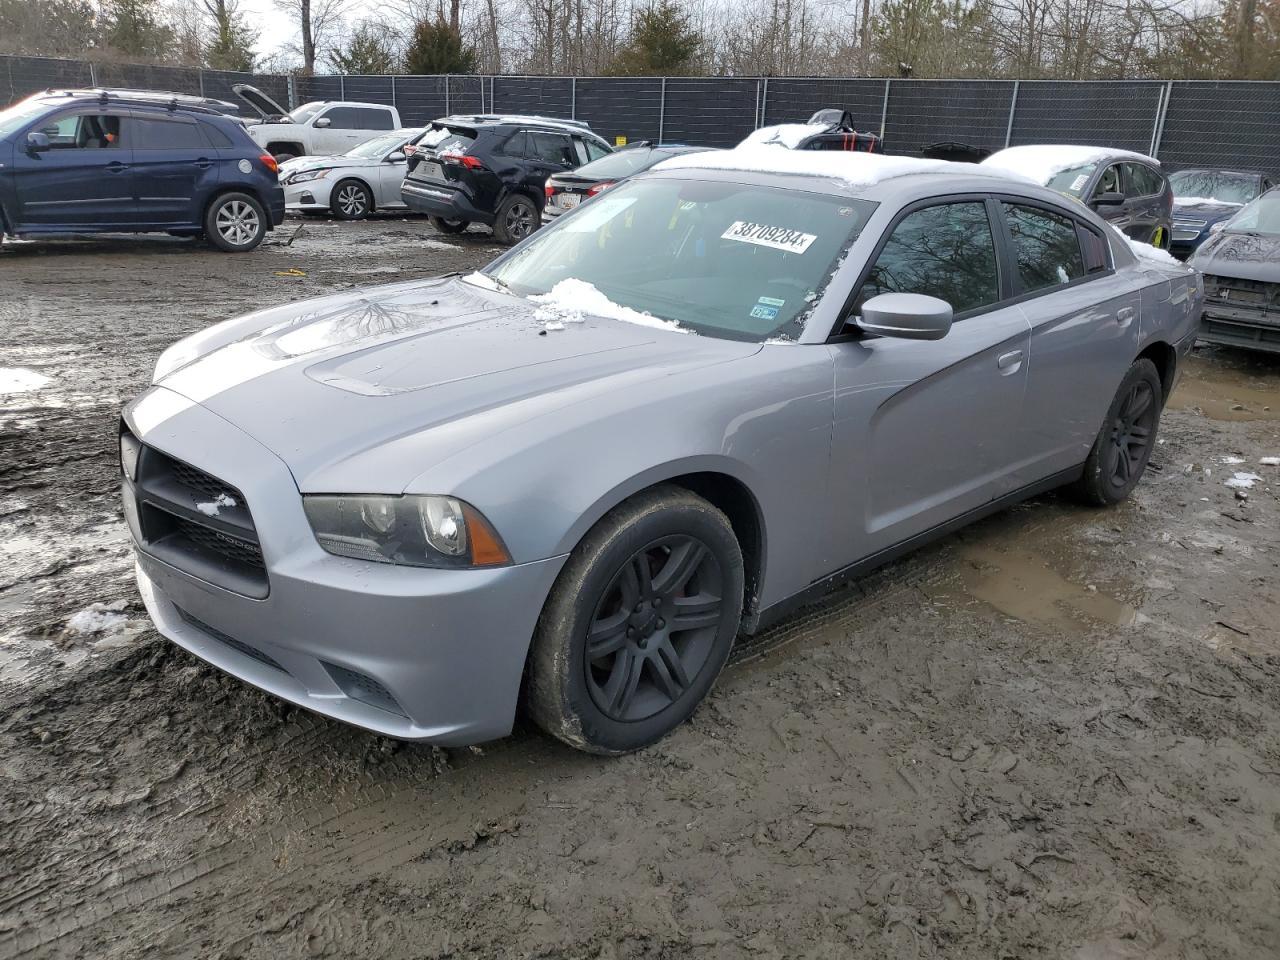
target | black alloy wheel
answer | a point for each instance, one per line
(1131, 433)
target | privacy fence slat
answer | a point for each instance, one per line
(1185, 122)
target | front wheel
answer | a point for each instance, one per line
(1128, 435)
(235, 222)
(638, 625)
(351, 200)
(517, 218)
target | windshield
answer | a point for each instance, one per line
(1258, 216)
(378, 147)
(624, 163)
(1072, 180)
(1209, 186)
(736, 261)
(305, 112)
(19, 114)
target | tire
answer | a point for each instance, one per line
(644, 678)
(350, 200)
(517, 217)
(450, 226)
(235, 222)
(1124, 443)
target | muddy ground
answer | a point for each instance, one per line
(1056, 734)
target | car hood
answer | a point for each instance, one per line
(1209, 212)
(300, 164)
(258, 101)
(1247, 256)
(386, 382)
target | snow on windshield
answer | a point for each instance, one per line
(855, 168)
(1042, 162)
(570, 298)
(789, 135)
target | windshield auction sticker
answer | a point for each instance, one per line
(779, 238)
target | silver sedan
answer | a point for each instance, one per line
(699, 400)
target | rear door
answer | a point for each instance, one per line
(174, 168)
(547, 153)
(1084, 320)
(1143, 200)
(84, 178)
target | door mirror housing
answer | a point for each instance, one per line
(37, 141)
(1107, 200)
(395, 156)
(907, 316)
(322, 122)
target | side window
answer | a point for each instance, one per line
(517, 145)
(83, 131)
(945, 251)
(151, 134)
(1141, 180)
(1045, 246)
(579, 152)
(1109, 182)
(1094, 248)
(216, 137)
(369, 118)
(342, 118)
(595, 150)
(552, 148)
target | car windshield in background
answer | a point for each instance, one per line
(1191, 186)
(1259, 216)
(305, 112)
(443, 139)
(616, 166)
(730, 260)
(19, 114)
(1072, 180)
(377, 148)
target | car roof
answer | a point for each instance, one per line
(145, 98)
(496, 119)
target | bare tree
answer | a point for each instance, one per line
(317, 21)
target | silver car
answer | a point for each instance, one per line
(695, 402)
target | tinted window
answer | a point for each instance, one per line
(517, 145)
(343, 118)
(945, 251)
(215, 136)
(1045, 246)
(368, 118)
(553, 148)
(1140, 181)
(153, 134)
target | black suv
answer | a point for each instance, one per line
(493, 170)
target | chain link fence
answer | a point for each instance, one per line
(1182, 122)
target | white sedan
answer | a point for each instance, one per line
(350, 186)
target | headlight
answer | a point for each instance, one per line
(304, 175)
(427, 531)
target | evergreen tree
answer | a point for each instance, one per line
(663, 41)
(371, 49)
(437, 47)
(136, 28)
(231, 38)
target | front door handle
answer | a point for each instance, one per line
(115, 166)
(1124, 316)
(1009, 362)
(203, 163)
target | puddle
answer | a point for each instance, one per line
(1222, 390)
(1019, 584)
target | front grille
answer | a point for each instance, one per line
(196, 522)
(1246, 294)
(238, 645)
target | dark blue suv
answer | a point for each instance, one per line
(82, 161)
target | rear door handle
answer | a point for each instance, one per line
(1009, 362)
(1124, 316)
(203, 163)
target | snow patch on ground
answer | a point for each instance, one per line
(1270, 461)
(1242, 481)
(854, 168)
(789, 135)
(1145, 251)
(21, 380)
(1231, 459)
(572, 295)
(214, 507)
(99, 618)
(1042, 162)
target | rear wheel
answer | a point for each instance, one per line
(638, 625)
(449, 226)
(1125, 442)
(351, 200)
(235, 222)
(517, 218)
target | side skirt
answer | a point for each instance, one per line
(819, 589)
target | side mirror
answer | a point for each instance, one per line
(1107, 200)
(395, 156)
(908, 316)
(322, 122)
(37, 141)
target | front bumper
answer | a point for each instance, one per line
(308, 195)
(415, 654)
(442, 202)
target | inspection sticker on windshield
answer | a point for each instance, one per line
(779, 238)
(1079, 182)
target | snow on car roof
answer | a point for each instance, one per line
(1041, 162)
(856, 168)
(789, 135)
